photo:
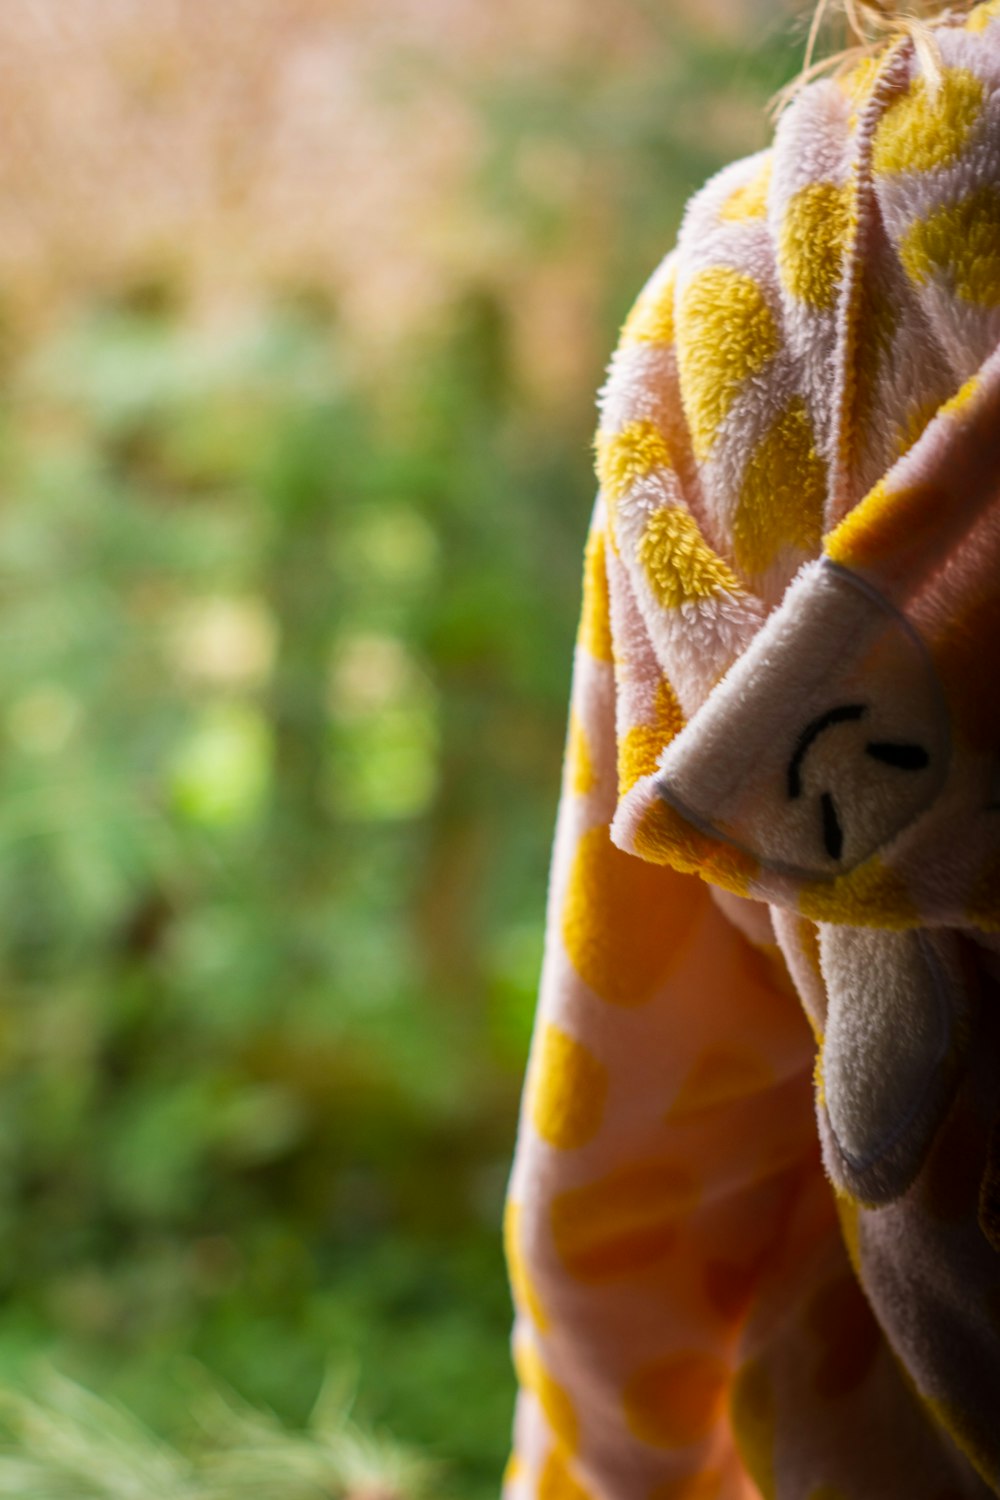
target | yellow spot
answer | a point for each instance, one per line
(870, 896)
(595, 618)
(981, 17)
(725, 333)
(625, 457)
(651, 320)
(750, 200)
(814, 236)
(720, 1075)
(579, 765)
(729, 1287)
(664, 837)
(927, 127)
(705, 1485)
(513, 1470)
(622, 1223)
(857, 84)
(956, 1424)
(556, 1404)
(887, 524)
(848, 1212)
(569, 1088)
(525, 1294)
(679, 564)
(782, 494)
(557, 1483)
(640, 748)
(753, 1418)
(963, 396)
(918, 414)
(623, 922)
(960, 241)
(819, 1080)
(675, 1401)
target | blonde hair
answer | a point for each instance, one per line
(865, 27)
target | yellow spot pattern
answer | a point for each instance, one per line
(623, 922)
(595, 618)
(664, 837)
(982, 16)
(569, 1091)
(753, 1418)
(622, 1223)
(870, 896)
(676, 1401)
(556, 1404)
(725, 333)
(782, 494)
(750, 200)
(651, 320)
(640, 748)
(579, 764)
(525, 1293)
(814, 236)
(625, 457)
(679, 565)
(960, 241)
(557, 1483)
(927, 127)
(720, 1075)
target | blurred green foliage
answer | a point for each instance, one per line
(286, 654)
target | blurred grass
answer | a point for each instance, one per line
(287, 627)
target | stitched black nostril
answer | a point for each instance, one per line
(833, 834)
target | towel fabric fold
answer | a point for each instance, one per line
(787, 683)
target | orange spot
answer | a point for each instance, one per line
(556, 1404)
(623, 922)
(706, 1485)
(729, 1287)
(841, 1319)
(568, 1090)
(720, 1075)
(525, 1295)
(595, 617)
(622, 1223)
(753, 1418)
(676, 1401)
(557, 1483)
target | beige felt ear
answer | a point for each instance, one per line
(897, 1023)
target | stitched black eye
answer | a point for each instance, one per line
(903, 757)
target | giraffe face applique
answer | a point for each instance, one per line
(837, 739)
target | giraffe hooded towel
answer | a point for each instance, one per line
(753, 1226)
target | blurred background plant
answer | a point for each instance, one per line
(303, 304)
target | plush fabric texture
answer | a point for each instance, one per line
(775, 891)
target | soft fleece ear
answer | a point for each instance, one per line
(897, 1026)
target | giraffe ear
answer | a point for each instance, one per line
(897, 1026)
